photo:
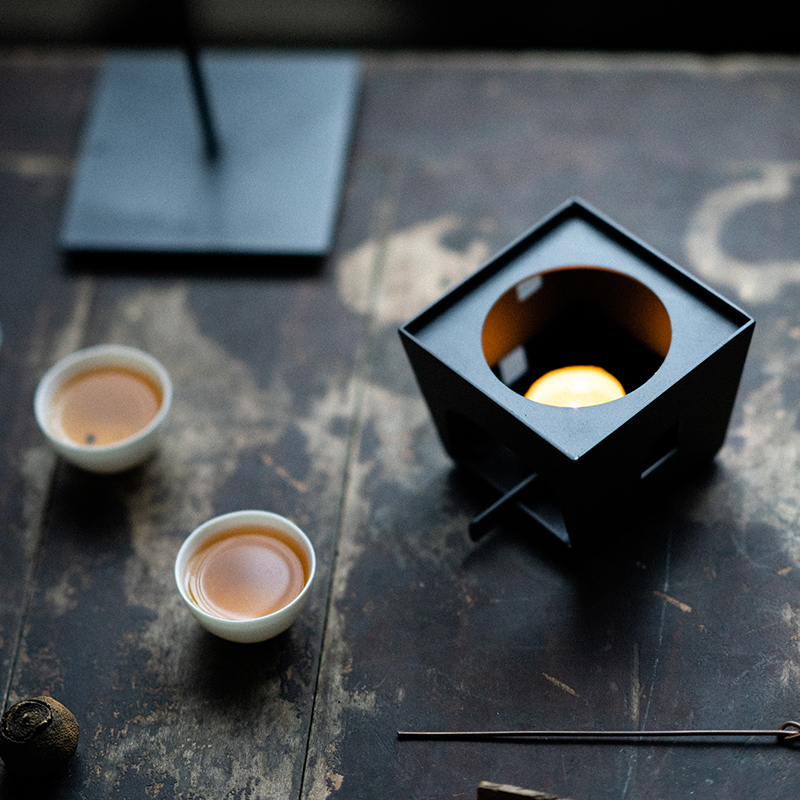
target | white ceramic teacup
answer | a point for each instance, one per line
(256, 629)
(119, 455)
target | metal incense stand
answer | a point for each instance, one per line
(579, 290)
(260, 175)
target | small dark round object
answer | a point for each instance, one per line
(38, 736)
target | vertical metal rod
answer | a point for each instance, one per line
(199, 89)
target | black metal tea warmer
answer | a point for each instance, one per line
(578, 291)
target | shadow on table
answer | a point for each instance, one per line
(196, 265)
(62, 784)
(236, 678)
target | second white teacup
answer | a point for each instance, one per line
(246, 575)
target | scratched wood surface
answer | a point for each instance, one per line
(292, 394)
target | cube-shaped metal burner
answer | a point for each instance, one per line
(579, 290)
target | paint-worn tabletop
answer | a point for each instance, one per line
(293, 394)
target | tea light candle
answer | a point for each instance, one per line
(575, 387)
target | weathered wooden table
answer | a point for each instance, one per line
(293, 394)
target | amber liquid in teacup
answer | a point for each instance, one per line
(105, 405)
(246, 572)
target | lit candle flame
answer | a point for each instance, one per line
(575, 387)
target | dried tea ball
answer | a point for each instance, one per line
(38, 736)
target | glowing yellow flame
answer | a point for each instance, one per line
(575, 387)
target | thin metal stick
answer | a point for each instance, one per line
(788, 732)
(197, 81)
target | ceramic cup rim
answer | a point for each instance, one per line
(99, 355)
(235, 519)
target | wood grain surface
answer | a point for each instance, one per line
(292, 394)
